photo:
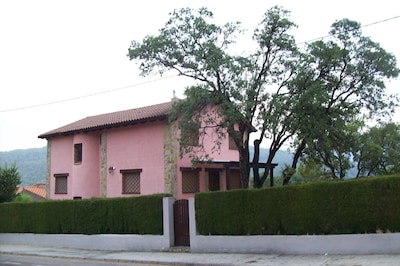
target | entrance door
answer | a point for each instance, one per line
(181, 222)
(213, 181)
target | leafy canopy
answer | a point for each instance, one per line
(277, 92)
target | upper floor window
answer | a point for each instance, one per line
(78, 153)
(191, 137)
(232, 144)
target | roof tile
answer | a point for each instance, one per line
(126, 117)
(37, 189)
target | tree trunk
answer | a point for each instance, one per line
(244, 158)
(272, 152)
(244, 167)
(256, 159)
(295, 161)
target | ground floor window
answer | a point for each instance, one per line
(131, 181)
(190, 180)
(61, 183)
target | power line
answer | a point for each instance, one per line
(87, 95)
(156, 80)
(362, 26)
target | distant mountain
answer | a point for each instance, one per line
(281, 158)
(31, 164)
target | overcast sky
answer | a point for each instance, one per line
(55, 51)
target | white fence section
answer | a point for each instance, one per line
(272, 244)
(111, 242)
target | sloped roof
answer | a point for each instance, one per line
(37, 189)
(115, 119)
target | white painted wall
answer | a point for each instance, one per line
(291, 244)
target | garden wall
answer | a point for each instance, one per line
(110, 242)
(292, 244)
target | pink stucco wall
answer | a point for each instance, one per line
(223, 154)
(86, 174)
(136, 147)
(61, 162)
(139, 146)
(83, 178)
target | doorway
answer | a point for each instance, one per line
(181, 223)
(214, 180)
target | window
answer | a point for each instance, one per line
(232, 144)
(190, 180)
(61, 184)
(191, 137)
(131, 181)
(78, 153)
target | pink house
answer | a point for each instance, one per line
(128, 153)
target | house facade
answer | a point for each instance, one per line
(129, 153)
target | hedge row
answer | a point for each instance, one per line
(133, 215)
(355, 206)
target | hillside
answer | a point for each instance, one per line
(281, 158)
(31, 164)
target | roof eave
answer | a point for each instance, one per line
(102, 127)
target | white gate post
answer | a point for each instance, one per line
(168, 220)
(192, 224)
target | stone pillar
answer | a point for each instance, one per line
(103, 164)
(171, 154)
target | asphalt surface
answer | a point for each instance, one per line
(187, 258)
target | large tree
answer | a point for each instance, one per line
(340, 80)
(277, 92)
(236, 84)
(9, 180)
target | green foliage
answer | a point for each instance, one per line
(340, 79)
(9, 180)
(378, 150)
(287, 172)
(341, 207)
(192, 45)
(133, 215)
(321, 91)
(311, 171)
(334, 149)
(22, 198)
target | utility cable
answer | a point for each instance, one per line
(86, 96)
(156, 80)
(362, 26)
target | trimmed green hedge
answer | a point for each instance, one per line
(133, 215)
(345, 207)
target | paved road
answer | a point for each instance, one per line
(185, 258)
(26, 260)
